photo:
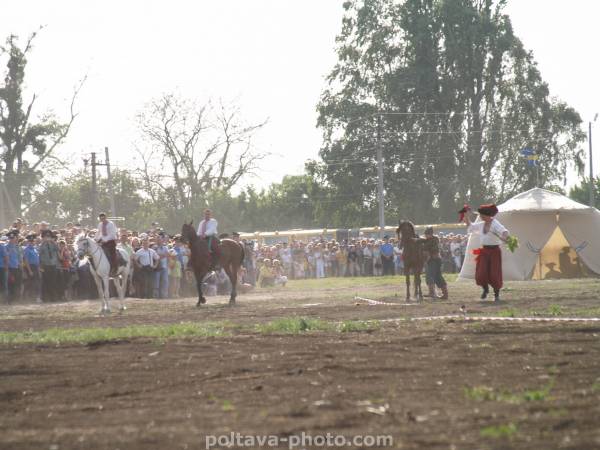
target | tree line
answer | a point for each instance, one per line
(444, 88)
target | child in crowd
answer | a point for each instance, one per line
(278, 272)
(175, 271)
(266, 277)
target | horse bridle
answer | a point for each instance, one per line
(405, 238)
(87, 248)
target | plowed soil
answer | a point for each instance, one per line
(438, 384)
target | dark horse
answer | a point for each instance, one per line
(412, 254)
(232, 256)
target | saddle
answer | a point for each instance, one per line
(120, 260)
(211, 246)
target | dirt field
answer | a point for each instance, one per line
(428, 384)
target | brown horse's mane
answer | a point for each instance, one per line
(403, 224)
(188, 232)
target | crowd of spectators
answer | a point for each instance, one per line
(320, 258)
(39, 262)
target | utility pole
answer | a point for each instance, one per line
(2, 212)
(592, 194)
(380, 195)
(94, 189)
(111, 195)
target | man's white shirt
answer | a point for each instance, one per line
(211, 227)
(111, 232)
(491, 237)
(146, 257)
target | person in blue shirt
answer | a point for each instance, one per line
(15, 262)
(161, 274)
(387, 256)
(31, 269)
(3, 268)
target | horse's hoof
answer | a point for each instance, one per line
(123, 308)
(231, 302)
(104, 311)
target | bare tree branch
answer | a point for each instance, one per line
(201, 148)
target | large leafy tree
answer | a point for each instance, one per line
(450, 94)
(27, 140)
(581, 192)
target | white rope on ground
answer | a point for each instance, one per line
(509, 319)
(371, 302)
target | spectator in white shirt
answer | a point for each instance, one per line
(146, 259)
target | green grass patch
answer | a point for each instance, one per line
(480, 393)
(585, 312)
(485, 393)
(350, 282)
(227, 406)
(358, 325)
(288, 325)
(294, 325)
(596, 385)
(87, 335)
(555, 310)
(499, 431)
(509, 312)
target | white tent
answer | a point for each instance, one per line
(558, 238)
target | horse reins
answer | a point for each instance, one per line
(99, 249)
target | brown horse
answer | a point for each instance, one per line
(412, 254)
(232, 256)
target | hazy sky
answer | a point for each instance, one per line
(268, 56)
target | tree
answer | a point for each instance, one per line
(27, 145)
(191, 150)
(581, 192)
(452, 97)
(293, 203)
(70, 199)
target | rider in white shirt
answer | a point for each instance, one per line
(208, 225)
(106, 235)
(207, 229)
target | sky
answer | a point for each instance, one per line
(270, 57)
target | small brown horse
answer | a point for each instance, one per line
(412, 254)
(232, 256)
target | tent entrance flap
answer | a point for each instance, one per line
(558, 259)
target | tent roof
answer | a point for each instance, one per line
(537, 200)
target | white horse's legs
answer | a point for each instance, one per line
(121, 286)
(106, 285)
(99, 284)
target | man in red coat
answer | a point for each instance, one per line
(488, 271)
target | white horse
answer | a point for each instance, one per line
(100, 270)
